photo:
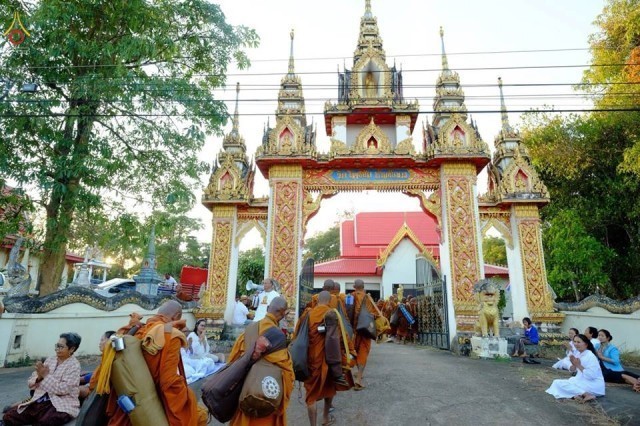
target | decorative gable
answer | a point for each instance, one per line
(404, 232)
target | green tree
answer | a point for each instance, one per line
(250, 267)
(494, 251)
(579, 158)
(324, 245)
(577, 263)
(125, 101)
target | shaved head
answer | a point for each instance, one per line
(358, 283)
(171, 309)
(336, 287)
(324, 298)
(277, 304)
(328, 284)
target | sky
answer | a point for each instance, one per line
(530, 44)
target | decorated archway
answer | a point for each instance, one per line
(372, 148)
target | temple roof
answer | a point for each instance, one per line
(347, 266)
(369, 233)
(368, 239)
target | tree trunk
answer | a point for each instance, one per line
(59, 213)
(575, 290)
(62, 202)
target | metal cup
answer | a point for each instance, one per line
(117, 342)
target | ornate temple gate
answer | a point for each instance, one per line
(432, 317)
(370, 129)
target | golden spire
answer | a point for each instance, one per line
(235, 113)
(367, 9)
(506, 127)
(445, 62)
(291, 71)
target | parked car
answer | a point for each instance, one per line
(114, 286)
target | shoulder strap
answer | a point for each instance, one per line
(251, 335)
(343, 332)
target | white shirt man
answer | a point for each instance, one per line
(169, 282)
(240, 311)
(264, 298)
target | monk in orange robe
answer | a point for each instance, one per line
(276, 310)
(162, 340)
(362, 343)
(328, 286)
(324, 359)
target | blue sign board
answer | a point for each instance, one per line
(371, 175)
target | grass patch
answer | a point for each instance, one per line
(630, 359)
(25, 361)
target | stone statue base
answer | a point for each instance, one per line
(148, 289)
(489, 347)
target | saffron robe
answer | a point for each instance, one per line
(362, 344)
(323, 356)
(179, 401)
(279, 358)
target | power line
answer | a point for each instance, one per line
(280, 73)
(493, 111)
(546, 96)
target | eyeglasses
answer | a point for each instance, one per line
(58, 346)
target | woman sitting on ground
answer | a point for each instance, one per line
(592, 334)
(565, 363)
(609, 357)
(196, 359)
(588, 381)
(88, 381)
(55, 385)
(530, 338)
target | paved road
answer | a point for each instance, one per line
(409, 385)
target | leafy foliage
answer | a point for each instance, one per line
(125, 101)
(578, 263)
(600, 195)
(250, 267)
(324, 245)
(494, 251)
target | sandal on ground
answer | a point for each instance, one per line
(331, 421)
(358, 387)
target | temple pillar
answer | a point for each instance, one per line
(528, 240)
(215, 298)
(461, 230)
(285, 228)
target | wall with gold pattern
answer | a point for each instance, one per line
(215, 296)
(462, 232)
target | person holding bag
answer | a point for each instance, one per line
(276, 311)
(364, 314)
(324, 359)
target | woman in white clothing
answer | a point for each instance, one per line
(588, 381)
(197, 360)
(565, 363)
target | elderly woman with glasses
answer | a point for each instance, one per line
(55, 388)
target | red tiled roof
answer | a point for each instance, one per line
(370, 233)
(373, 228)
(493, 271)
(346, 266)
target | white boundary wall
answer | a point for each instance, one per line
(36, 334)
(623, 327)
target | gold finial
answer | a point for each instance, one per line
(235, 113)
(445, 62)
(291, 54)
(506, 127)
(367, 7)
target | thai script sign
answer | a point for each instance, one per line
(371, 175)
